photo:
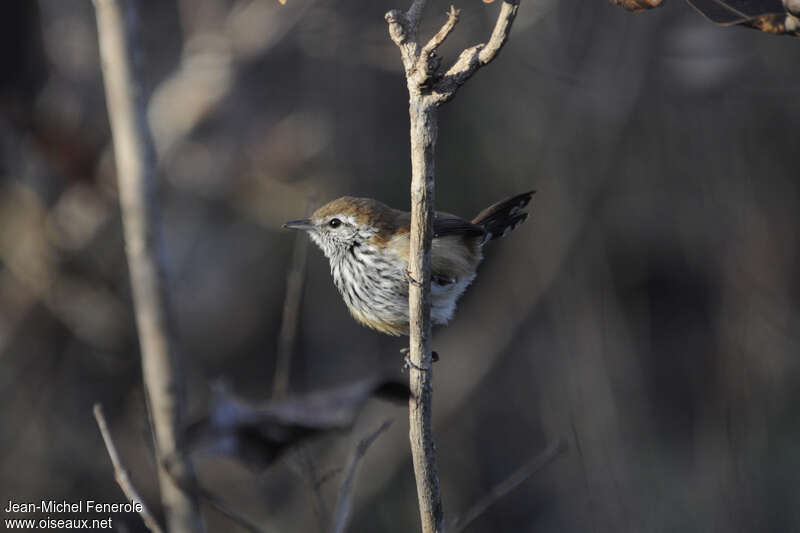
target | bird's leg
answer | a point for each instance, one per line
(407, 363)
(412, 280)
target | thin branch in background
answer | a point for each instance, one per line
(308, 471)
(135, 161)
(235, 516)
(428, 88)
(303, 465)
(295, 280)
(199, 87)
(328, 475)
(201, 493)
(121, 473)
(517, 478)
(344, 506)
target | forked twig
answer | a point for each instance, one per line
(344, 505)
(428, 61)
(121, 474)
(477, 56)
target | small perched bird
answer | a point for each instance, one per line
(367, 244)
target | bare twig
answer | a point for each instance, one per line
(404, 35)
(201, 493)
(501, 31)
(327, 475)
(344, 505)
(121, 474)
(513, 481)
(477, 56)
(428, 88)
(437, 40)
(133, 150)
(247, 523)
(309, 474)
(295, 280)
(429, 61)
(304, 467)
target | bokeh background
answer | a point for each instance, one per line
(647, 313)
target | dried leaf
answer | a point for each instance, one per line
(782, 24)
(636, 6)
(258, 434)
(770, 16)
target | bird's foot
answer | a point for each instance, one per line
(409, 364)
(413, 280)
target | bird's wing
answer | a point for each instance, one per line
(455, 250)
(446, 224)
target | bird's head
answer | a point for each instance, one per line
(345, 223)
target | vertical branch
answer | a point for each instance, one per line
(428, 88)
(133, 151)
(423, 132)
(423, 140)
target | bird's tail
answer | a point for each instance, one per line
(500, 218)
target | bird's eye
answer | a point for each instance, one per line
(335, 223)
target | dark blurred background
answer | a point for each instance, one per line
(647, 313)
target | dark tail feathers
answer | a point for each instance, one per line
(504, 216)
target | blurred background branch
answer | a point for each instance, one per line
(344, 505)
(776, 17)
(135, 163)
(287, 337)
(514, 480)
(121, 473)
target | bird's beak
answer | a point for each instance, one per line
(303, 224)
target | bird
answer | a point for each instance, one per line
(367, 245)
